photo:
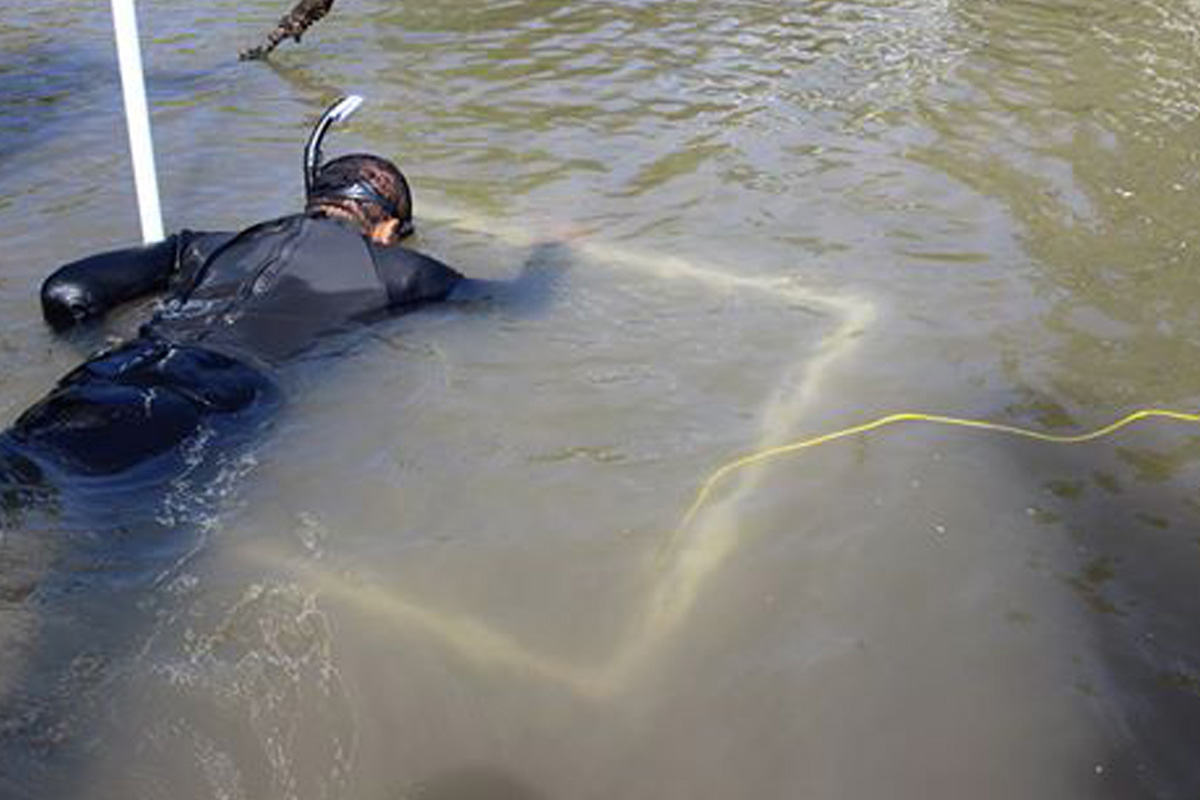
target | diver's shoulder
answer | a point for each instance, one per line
(401, 253)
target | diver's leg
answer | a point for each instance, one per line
(138, 401)
(99, 428)
(217, 383)
(22, 483)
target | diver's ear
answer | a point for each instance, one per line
(386, 232)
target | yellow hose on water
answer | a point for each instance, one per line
(727, 469)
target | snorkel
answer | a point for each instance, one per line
(338, 112)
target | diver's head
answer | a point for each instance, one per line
(365, 189)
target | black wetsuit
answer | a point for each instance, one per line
(238, 306)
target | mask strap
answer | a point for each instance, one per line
(364, 192)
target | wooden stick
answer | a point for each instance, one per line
(292, 26)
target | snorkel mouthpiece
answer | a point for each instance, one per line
(338, 112)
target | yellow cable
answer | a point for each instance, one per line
(727, 469)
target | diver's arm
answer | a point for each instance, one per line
(527, 293)
(412, 278)
(86, 289)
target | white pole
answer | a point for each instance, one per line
(137, 119)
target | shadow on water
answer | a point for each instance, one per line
(472, 783)
(1126, 523)
(1081, 119)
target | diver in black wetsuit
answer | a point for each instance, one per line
(238, 306)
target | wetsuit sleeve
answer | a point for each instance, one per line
(411, 277)
(88, 288)
(194, 251)
(530, 292)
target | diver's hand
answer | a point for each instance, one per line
(88, 288)
(66, 304)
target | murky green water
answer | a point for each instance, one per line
(449, 572)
